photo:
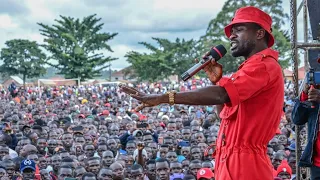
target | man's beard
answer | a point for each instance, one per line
(243, 48)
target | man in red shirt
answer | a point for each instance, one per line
(251, 99)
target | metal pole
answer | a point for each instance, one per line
(305, 34)
(308, 45)
(293, 25)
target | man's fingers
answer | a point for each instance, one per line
(129, 90)
(136, 96)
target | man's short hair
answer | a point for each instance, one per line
(151, 161)
(136, 167)
(88, 174)
(162, 160)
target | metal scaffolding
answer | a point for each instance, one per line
(295, 45)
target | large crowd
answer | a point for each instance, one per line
(93, 132)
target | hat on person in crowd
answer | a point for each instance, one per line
(27, 164)
(25, 126)
(284, 167)
(137, 133)
(37, 127)
(82, 116)
(252, 15)
(165, 117)
(77, 130)
(205, 173)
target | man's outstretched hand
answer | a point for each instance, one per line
(147, 100)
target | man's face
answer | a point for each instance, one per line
(185, 151)
(186, 133)
(41, 144)
(42, 163)
(107, 158)
(148, 139)
(118, 170)
(194, 168)
(211, 140)
(79, 173)
(151, 171)
(105, 174)
(80, 140)
(89, 150)
(276, 161)
(10, 168)
(94, 166)
(176, 167)
(196, 153)
(292, 163)
(67, 140)
(65, 173)
(270, 153)
(163, 151)
(28, 174)
(137, 174)
(112, 144)
(45, 174)
(171, 156)
(3, 151)
(154, 148)
(52, 144)
(242, 42)
(168, 142)
(162, 170)
(101, 149)
(55, 160)
(130, 148)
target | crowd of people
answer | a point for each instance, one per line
(93, 132)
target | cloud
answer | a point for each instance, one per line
(12, 7)
(134, 20)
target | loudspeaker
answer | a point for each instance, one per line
(314, 15)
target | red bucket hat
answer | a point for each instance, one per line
(252, 15)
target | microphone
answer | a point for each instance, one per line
(216, 52)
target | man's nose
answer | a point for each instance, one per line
(232, 36)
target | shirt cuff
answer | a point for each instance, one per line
(231, 89)
(303, 96)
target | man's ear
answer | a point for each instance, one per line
(261, 33)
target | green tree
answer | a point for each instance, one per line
(170, 58)
(75, 43)
(22, 57)
(215, 31)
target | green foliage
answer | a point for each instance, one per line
(215, 31)
(74, 44)
(22, 57)
(170, 58)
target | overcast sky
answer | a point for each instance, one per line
(134, 20)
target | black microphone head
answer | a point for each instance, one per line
(218, 52)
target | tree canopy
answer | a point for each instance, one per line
(170, 58)
(76, 45)
(22, 57)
